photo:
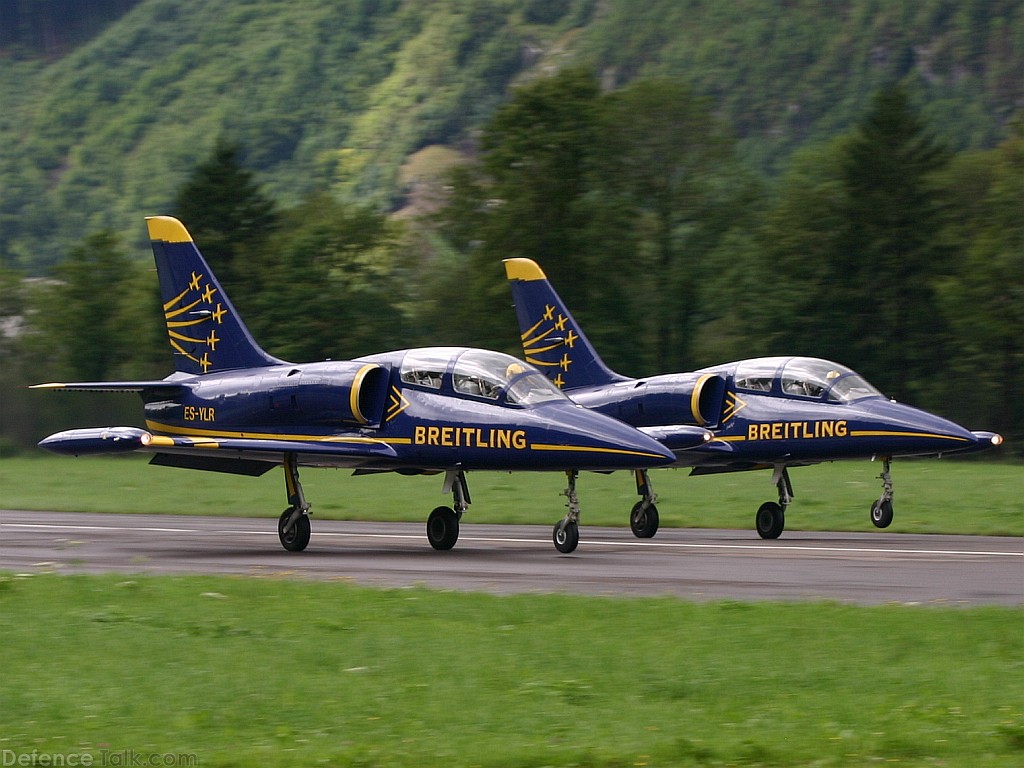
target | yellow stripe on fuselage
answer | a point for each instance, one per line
(880, 433)
(588, 449)
(166, 429)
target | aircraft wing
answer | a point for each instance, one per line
(342, 451)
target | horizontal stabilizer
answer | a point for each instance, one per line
(158, 385)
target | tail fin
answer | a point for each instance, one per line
(203, 327)
(552, 339)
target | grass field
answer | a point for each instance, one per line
(932, 496)
(242, 671)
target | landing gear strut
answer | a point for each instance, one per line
(771, 517)
(443, 522)
(643, 519)
(293, 525)
(881, 509)
(566, 534)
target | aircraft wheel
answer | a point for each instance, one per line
(566, 539)
(297, 538)
(881, 513)
(770, 520)
(644, 522)
(443, 528)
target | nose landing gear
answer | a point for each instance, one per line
(566, 534)
(881, 509)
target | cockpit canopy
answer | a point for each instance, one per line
(805, 377)
(480, 374)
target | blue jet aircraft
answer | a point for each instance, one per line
(766, 413)
(231, 407)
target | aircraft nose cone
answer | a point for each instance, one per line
(918, 432)
(985, 440)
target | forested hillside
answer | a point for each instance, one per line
(337, 95)
(702, 182)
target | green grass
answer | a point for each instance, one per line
(932, 496)
(242, 671)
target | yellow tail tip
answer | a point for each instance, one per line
(168, 229)
(523, 269)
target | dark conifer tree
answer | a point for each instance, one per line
(230, 218)
(890, 252)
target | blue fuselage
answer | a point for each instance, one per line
(771, 411)
(376, 400)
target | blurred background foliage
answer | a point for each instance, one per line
(701, 181)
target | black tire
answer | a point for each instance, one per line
(881, 513)
(297, 539)
(566, 539)
(443, 528)
(644, 523)
(770, 520)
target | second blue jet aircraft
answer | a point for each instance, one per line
(766, 413)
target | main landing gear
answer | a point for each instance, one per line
(293, 525)
(771, 517)
(881, 510)
(643, 518)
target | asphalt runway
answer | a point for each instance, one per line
(695, 564)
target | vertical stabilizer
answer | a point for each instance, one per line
(204, 330)
(552, 340)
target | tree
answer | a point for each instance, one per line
(616, 196)
(984, 299)
(522, 200)
(80, 319)
(891, 250)
(800, 242)
(330, 284)
(535, 156)
(224, 210)
(660, 155)
(856, 245)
